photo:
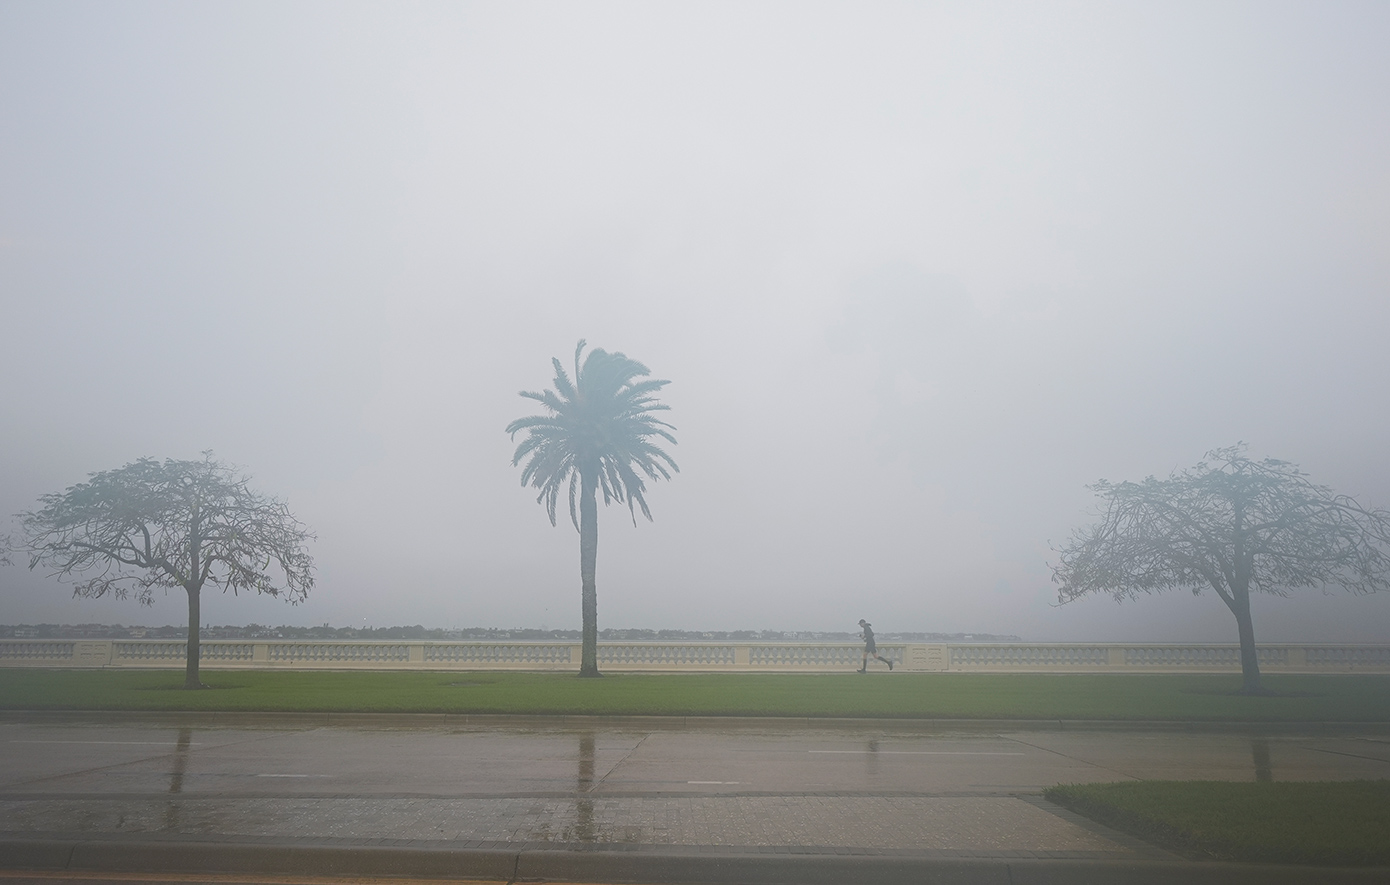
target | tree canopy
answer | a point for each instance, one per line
(170, 524)
(599, 433)
(1232, 524)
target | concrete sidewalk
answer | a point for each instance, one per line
(581, 802)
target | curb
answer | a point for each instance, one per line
(651, 867)
(656, 723)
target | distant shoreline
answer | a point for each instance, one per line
(443, 634)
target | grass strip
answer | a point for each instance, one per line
(1340, 823)
(1120, 697)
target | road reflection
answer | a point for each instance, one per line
(185, 739)
(1259, 749)
(585, 830)
(176, 773)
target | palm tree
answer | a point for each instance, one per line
(598, 434)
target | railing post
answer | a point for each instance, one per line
(742, 656)
(91, 654)
(925, 657)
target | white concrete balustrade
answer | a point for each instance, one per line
(745, 657)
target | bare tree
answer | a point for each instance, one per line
(153, 524)
(1232, 524)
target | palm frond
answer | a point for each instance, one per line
(597, 425)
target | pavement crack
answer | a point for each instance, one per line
(1352, 755)
(626, 756)
(1073, 758)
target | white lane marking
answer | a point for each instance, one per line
(142, 743)
(294, 775)
(713, 782)
(918, 752)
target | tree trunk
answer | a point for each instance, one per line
(1249, 658)
(190, 672)
(1242, 567)
(588, 560)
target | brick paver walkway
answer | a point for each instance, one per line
(967, 825)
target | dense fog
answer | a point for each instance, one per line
(916, 273)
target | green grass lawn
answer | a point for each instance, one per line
(1334, 823)
(1207, 698)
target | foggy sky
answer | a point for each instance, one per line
(917, 274)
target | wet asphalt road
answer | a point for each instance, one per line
(115, 758)
(507, 789)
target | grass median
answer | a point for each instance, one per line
(1198, 698)
(1333, 823)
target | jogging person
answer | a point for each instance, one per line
(869, 647)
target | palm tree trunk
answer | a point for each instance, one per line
(190, 672)
(588, 560)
